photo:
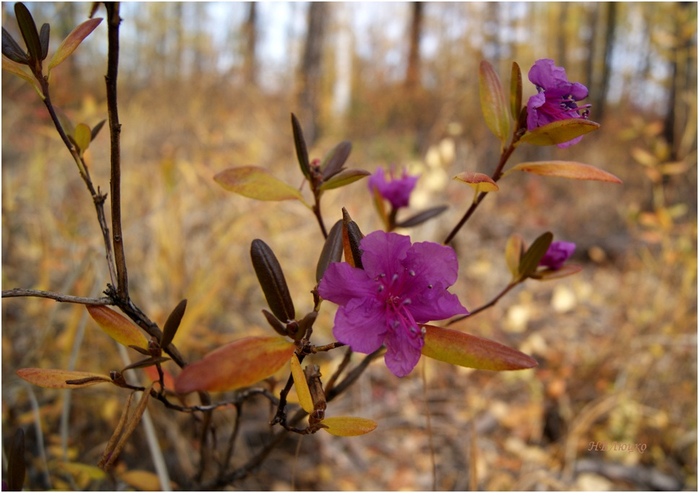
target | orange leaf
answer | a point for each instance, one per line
(235, 365)
(458, 348)
(56, 379)
(567, 169)
(72, 41)
(152, 374)
(478, 181)
(117, 326)
(345, 426)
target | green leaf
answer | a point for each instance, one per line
(257, 183)
(423, 216)
(531, 258)
(493, 103)
(12, 50)
(343, 178)
(516, 91)
(117, 326)
(82, 137)
(172, 324)
(238, 364)
(301, 385)
(57, 379)
(513, 254)
(551, 274)
(559, 132)
(458, 348)
(29, 32)
(335, 160)
(345, 426)
(271, 277)
(332, 250)
(301, 149)
(566, 169)
(22, 72)
(72, 41)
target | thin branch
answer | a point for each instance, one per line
(63, 298)
(487, 305)
(113, 21)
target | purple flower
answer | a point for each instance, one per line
(556, 97)
(401, 286)
(397, 190)
(557, 254)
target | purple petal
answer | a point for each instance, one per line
(361, 324)
(402, 352)
(433, 263)
(435, 304)
(342, 283)
(557, 254)
(383, 253)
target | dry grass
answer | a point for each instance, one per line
(616, 343)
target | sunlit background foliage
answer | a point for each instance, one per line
(207, 86)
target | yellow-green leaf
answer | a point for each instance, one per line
(516, 91)
(567, 169)
(83, 136)
(117, 326)
(257, 183)
(478, 181)
(493, 103)
(345, 426)
(559, 132)
(551, 274)
(235, 365)
(72, 41)
(513, 253)
(141, 480)
(344, 178)
(458, 348)
(22, 72)
(56, 379)
(301, 385)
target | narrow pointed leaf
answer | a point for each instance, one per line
(551, 274)
(301, 385)
(480, 182)
(110, 456)
(16, 465)
(29, 31)
(345, 426)
(96, 130)
(516, 91)
(332, 250)
(567, 169)
(513, 254)
(559, 132)
(256, 183)
(423, 216)
(238, 364)
(278, 327)
(56, 379)
(23, 73)
(172, 324)
(271, 278)
(12, 50)
(458, 348)
(82, 137)
(493, 103)
(351, 236)
(301, 149)
(145, 363)
(117, 326)
(335, 160)
(343, 178)
(44, 40)
(531, 258)
(72, 41)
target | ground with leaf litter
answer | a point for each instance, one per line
(612, 404)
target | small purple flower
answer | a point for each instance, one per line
(556, 98)
(400, 287)
(557, 254)
(397, 190)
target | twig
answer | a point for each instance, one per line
(113, 21)
(487, 305)
(63, 298)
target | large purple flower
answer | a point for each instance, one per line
(557, 254)
(401, 286)
(556, 98)
(397, 190)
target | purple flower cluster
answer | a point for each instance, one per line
(396, 190)
(557, 254)
(556, 98)
(400, 287)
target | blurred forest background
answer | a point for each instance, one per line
(207, 86)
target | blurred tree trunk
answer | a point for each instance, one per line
(311, 71)
(412, 74)
(342, 87)
(250, 54)
(599, 97)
